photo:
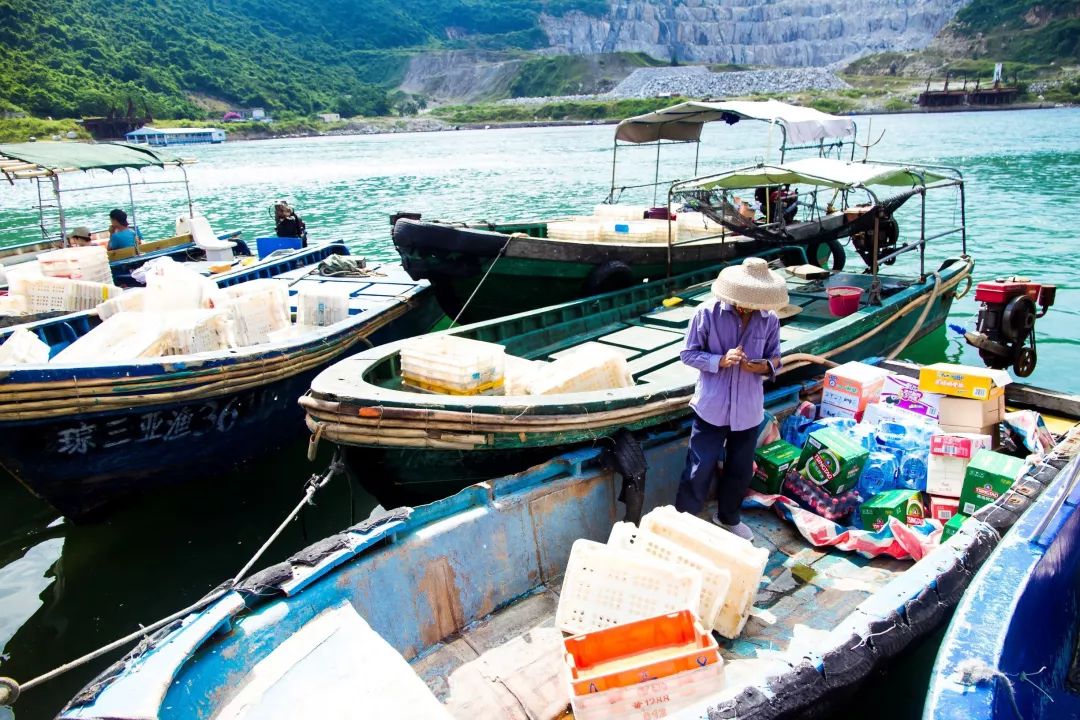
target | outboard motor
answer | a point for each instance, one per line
(1005, 332)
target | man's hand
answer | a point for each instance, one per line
(733, 357)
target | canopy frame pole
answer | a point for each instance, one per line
(963, 221)
(875, 284)
(671, 192)
(41, 210)
(187, 189)
(614, 154)
(55, 179)
(697, 154)
(656, 173)
(131, 199)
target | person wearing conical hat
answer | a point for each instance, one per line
(734, 343)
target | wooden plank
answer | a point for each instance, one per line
(642, 338)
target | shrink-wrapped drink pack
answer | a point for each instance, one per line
(322, 305)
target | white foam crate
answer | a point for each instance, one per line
(715, 581)
(13, 305)
(640, 231)
(23, 347)
(739, 557)
(652, 699)
(18, 276)
(606, 586)
(596, 368)
(186, 332)
(453, 363)
(122, 337)
(51, 294)
(78, 263)
(620, 212)
(322, 305)
(255, 309)
(576, 230)
(132, 300)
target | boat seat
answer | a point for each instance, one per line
(198, 227)
(123, 253)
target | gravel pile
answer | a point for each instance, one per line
(696, 81)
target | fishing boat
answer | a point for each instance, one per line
(482, 270)
(43, 164)
(426, 445)
(1011, 648)
(446, 610)
(82, 436)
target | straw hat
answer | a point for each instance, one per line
(751, 285)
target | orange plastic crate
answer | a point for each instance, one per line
(636, 652)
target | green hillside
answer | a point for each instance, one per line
(68, 58)
(1027, 31)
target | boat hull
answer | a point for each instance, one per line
(416, 475)
(492, 274)
(182, 421)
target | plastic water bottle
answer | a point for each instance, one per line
(878, 474)
(843, 424)
(866, 435)
(913, 471)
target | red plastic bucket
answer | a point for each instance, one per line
(844, 300)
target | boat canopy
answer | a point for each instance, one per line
(823, 172)
(42, 159)
(683, 122)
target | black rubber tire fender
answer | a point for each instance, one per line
(608, 277)
(836, 250)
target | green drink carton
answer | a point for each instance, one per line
(773, 461)
(904, 505)
(952, 526)
(989, 475)
(832, 461)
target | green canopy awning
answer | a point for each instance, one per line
(822, 172)
(45, 158)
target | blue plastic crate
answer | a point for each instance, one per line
(267, 245)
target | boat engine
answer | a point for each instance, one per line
(1005, 331)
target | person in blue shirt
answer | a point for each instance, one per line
(120, 235)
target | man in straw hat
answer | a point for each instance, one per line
(734, 342)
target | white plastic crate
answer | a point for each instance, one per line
(86, 295)
(186, 332)
(595, 368)
(620, 212)
(13, 305)
(638, 231)
(47, 294)
(133, 300)
(18, 276)
(23, 347)
(171, 286)
(453, 365)
(122, 337)
(606, 585)
(715, 581)
(255, 309)
(322, 305)
(78, 263)
(577, 230)
(651, 699)
(739, 557)
(519, 373)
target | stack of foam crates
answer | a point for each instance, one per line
(122, 337)
(78, 263)
(582, 230)
(453, 365)
(646, 669)
(256, 309)
(185, 332)
(620, 212)
(582, 371)
(50, 294)
(643, 231)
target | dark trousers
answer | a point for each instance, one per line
(707, 444)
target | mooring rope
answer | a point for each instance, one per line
(10, 689)
(486, 273)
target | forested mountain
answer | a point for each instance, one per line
(81, 57)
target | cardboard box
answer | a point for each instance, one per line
(952, 526)
(943, 508)
(972, 413)
(904, 505)
(825, 410)
(879, 411)
(772, 463)
(989, 476)
(991, 430)
(948, 461)
(904, 393)
(832, 460)
(852, 386)
(963, 381)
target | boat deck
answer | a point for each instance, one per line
(387, 285)
(509, 665)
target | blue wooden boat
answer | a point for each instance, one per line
(464, 590)
(43, 163)
(1011, 648)
(83, 436)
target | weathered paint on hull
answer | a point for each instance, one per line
(413, 476)
(84, 463)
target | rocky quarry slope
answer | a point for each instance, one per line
(753, 32)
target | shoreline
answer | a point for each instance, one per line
(428, 125)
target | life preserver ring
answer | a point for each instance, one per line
(608, 277)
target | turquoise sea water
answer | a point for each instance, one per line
(65, 590)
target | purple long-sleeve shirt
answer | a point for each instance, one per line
(730, 396)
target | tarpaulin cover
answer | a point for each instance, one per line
(895, 540)
(822, 172)
(683, 122)
(68, 156)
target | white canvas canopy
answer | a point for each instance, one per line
(683, 122)
(825, 172)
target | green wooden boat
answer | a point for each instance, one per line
(484, 270)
